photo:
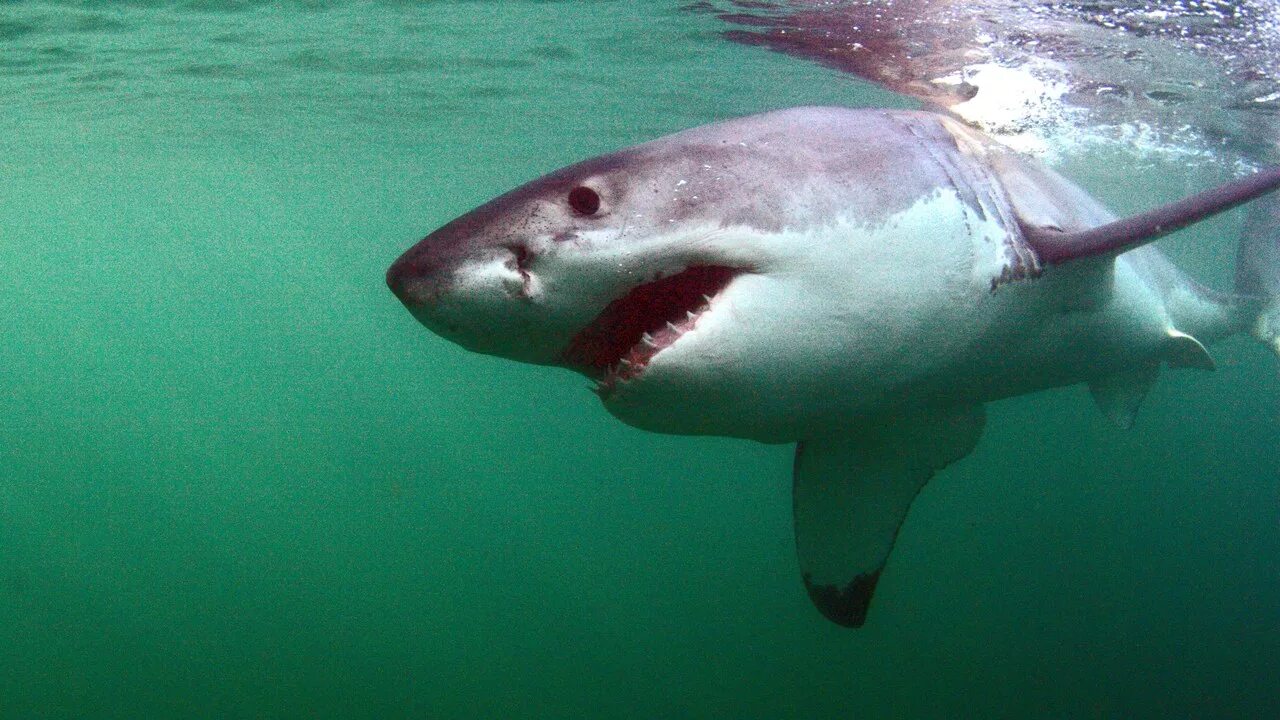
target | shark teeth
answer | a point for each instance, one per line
(650, 344)
(631, 331)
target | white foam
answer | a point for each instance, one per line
(1021, 105)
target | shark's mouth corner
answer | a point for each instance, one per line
(621, 341)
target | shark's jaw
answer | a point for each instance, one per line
(617, 346)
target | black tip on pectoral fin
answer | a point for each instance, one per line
(851, 492)
(846, 606)
(1054, 246)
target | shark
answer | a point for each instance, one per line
(857, 282)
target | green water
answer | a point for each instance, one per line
(237, 480)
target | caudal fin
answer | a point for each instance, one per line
(1258, 268)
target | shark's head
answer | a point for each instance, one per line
(575, 268)
(698, 278)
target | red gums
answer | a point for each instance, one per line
(615, 345)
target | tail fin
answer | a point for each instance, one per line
(1258, 268)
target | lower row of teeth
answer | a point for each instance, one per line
(647, 339)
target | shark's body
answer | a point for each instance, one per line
(859, 282)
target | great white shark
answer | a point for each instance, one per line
(857, 282)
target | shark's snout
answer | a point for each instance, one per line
(475, 290)
(425, 271)
(399, 277)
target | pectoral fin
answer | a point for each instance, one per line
(1184, 351)
(851, 493)
(1120, 395)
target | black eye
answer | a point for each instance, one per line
(584, 200)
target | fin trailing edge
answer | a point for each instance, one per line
(852, 492)
(1184, 351)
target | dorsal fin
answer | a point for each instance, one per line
(1054, 246)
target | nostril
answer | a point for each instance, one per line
(522, 281)
(521, 259)
(521, 255)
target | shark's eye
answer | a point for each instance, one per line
(584, 200)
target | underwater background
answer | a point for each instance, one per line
(238, 480)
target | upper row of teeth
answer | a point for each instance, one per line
(647, 339)
(689, 315)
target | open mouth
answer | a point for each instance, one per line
(632, 330)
